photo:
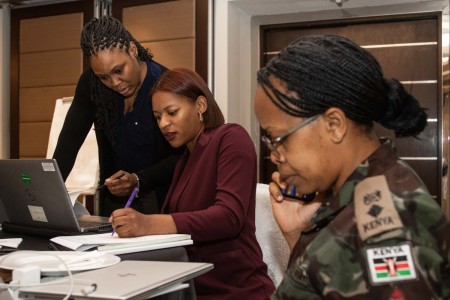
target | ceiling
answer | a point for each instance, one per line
(275, 7)
(279, 7)
(24, 2)
(30, 2)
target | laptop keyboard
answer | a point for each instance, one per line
(93, 224)
(96, 225)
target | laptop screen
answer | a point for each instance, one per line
(34, 195)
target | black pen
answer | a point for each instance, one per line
(103, 185)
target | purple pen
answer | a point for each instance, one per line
(130, 200)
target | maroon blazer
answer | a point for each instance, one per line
(212, 198)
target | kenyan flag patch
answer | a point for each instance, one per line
(390, 264)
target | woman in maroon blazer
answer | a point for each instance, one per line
(212, 196)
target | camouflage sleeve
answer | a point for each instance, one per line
(295, 286)
(412, 262)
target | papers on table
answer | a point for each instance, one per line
(115, 245)
(12, 243)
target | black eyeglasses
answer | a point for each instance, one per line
(273, 143)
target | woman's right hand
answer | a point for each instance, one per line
(292, 216)
(121, 183)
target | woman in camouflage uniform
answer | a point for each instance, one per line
(373, 231)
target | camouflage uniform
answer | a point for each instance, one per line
(344, 257)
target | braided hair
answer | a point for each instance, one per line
(323, 71)
(101, 34)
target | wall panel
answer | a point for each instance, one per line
(167, 29)
(161, 21)
(34, 139)
(50, 68)
(166, 21)
(175, 53)
(50, 63)
(410, 63)
(38, 104)
(57, 34)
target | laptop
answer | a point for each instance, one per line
(36, 201)
(126, 280)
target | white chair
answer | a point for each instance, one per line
(84, 177)
(273, 245)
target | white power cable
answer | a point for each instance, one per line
(15, 286)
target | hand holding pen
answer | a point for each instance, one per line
(116, 178)
(121, 184)
(128, 204)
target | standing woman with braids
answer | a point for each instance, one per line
(373, 231)
(113, 94)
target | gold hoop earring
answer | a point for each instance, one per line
(200, 116)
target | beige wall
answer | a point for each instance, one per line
(167, 29)
(50, 64)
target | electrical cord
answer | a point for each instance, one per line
(15, 286)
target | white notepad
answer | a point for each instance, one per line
(125, 280)
(104, 242)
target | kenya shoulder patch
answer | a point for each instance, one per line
(374, 208)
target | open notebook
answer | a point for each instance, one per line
(36, 200)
